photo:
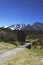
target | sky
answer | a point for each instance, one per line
(20, 11)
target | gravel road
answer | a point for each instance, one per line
(4, 56)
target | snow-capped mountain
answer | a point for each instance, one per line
(17, 26)
(4, 26)
(35, 26)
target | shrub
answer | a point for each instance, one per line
(34, 43)
(29, 46)
(40, 41)
(21, 36)
(37, 43)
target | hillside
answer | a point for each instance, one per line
(9, 35)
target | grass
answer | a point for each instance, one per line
(6, 46)
(26, 57)
(37, 51)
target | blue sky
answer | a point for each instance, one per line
(20, 11)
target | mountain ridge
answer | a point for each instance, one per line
(35, 26)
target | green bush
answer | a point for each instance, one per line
(29, 46)
(35, 44)
(1, 40)
(40, 41)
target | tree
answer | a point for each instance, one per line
(21, 36)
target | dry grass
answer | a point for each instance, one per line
(6, 46)
(26, 57)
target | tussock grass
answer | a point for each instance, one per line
(26, 57)
(6, 46)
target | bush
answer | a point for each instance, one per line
(40, 41)
(34, 43)
(29, 46)
(37, 43)
(17, 43)
(1, 40)
(21, 36)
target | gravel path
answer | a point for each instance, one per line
(9, 53)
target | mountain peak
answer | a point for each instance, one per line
(4, 26)
(35, 26)
(37, 23)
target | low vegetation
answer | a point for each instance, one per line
(26, 57)
(37, 43)
(10, 39)
(6, 46)
(15, 38)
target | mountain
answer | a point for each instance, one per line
(4, 26)
(17, 26)
(36, 26)
(27, 27)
